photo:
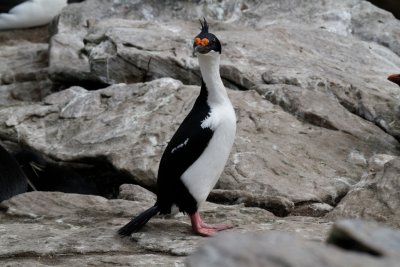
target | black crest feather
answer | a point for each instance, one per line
(204, 25)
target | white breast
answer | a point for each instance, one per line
(31, 13)
(204, 173)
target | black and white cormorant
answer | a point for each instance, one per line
(197, 153)
(16, 14)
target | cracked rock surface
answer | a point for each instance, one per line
(71, 229)
(108, 82)
(263, 170)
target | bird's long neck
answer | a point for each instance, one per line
(209, 67)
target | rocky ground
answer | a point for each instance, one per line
(108, 82)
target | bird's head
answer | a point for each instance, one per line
(206, 42)
(395, 78)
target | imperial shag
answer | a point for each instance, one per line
(197, 153)
(29, 13)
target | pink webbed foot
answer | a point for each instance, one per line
(203, 229)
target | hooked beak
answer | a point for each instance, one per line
(394, 78)
(200, 49)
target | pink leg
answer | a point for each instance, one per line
(203, 229)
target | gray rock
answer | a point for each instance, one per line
(365, 237)
(312, 209)
(279, 205)
(376, 31)
(377, 162)
(57, 229)
(316, 119)
(144, 260)
(276, 249)
(375, 197)
(46, 228)
(136, 193)
(317, 108)
(264, 169)
(24, 66)
(103, 44)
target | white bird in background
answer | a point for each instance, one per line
(16, 14)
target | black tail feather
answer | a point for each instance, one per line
(138, 222)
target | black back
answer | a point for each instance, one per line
(12, 179)
(185, 147)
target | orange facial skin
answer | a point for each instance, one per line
(202, 42)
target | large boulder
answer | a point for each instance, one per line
(24, 62)
(343, 50)
(58, 229)
(279, 249)
(317, 120)
(276, 161)
(366, 237)
(376, 197)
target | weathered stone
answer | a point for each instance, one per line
(333, 121)
(45, 228)
(106, 50)
(312, 209)
(365, 237)
(384, 22)
(317, 108)
(276, 249)
(70, 65)
(136, 193)
(24, 66)
(135, 260)
(264, 169)
(377, 162)
(280, 206)
(375, 197)
(164, 232)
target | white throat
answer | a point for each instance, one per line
(209, 67)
